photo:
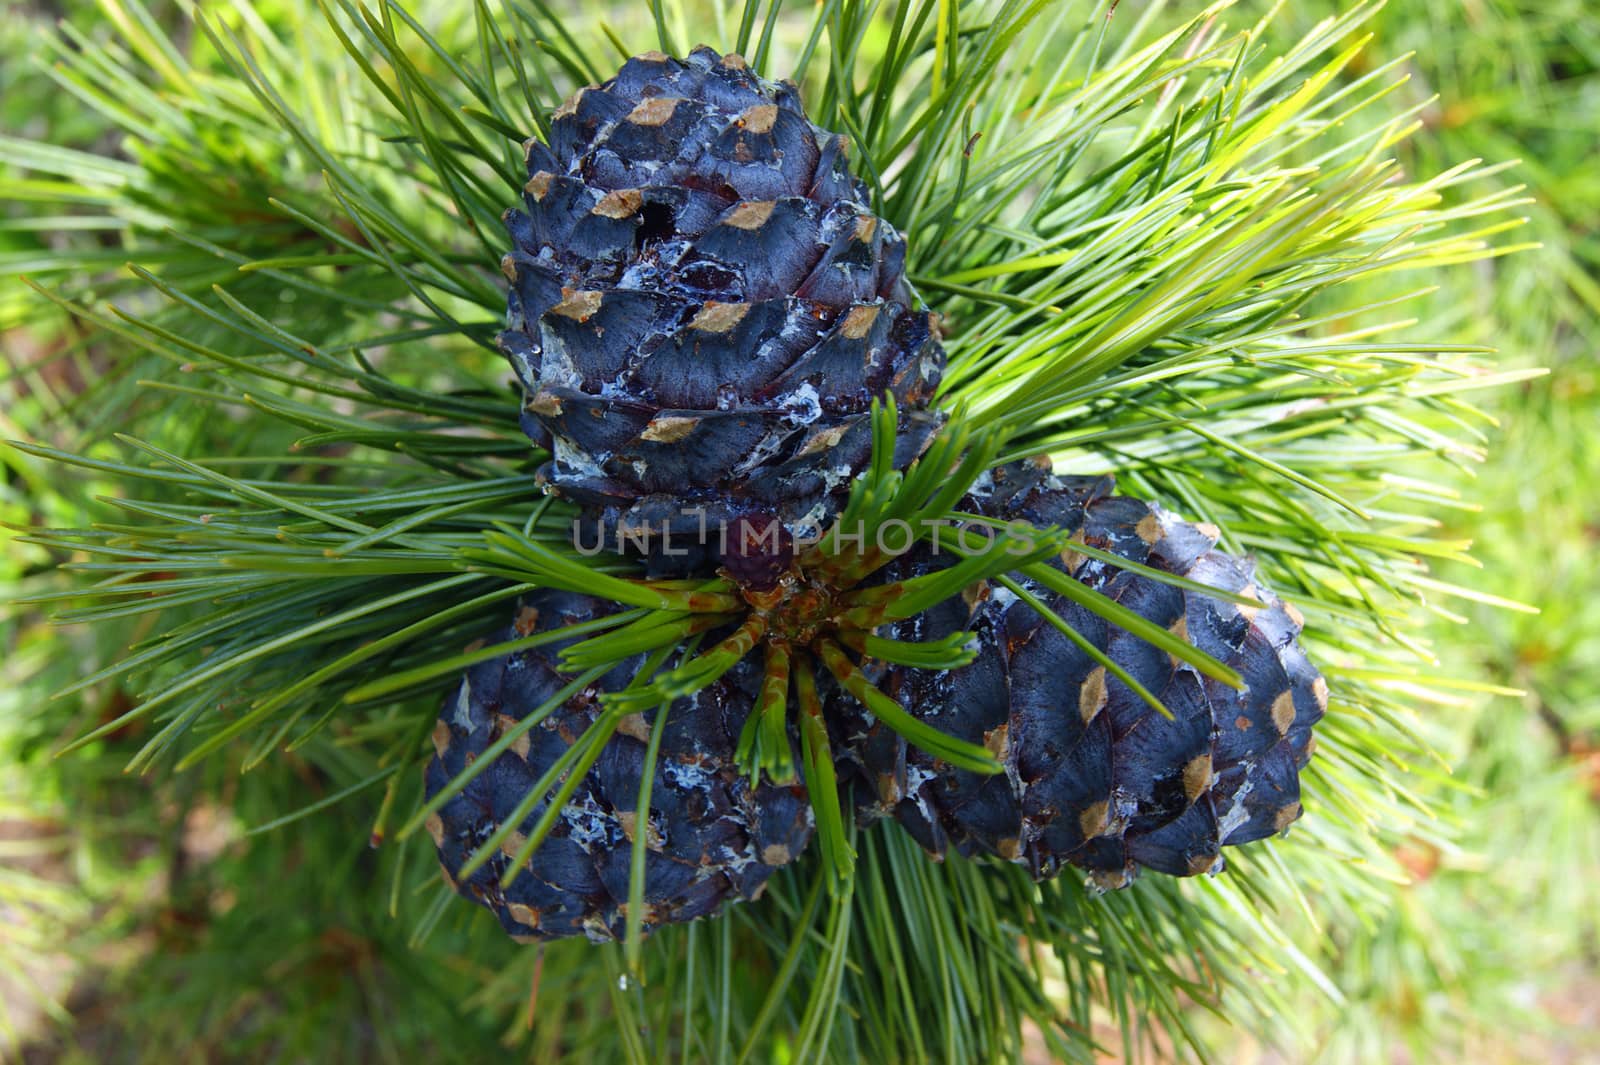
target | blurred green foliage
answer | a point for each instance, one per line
(1497, 937)
(160, 923)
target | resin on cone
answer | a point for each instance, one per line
(702, 309)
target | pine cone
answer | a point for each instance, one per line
(712, 837)
(702, 309)
(1094, 777)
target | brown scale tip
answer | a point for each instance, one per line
(750, 215)
(1197, 776)
(636, 726)
(569, 106)
(760, 119)
(715, 317)
(1092, 694)
(1095, 819)
(579, 306)
(1283, 711)
(619, 203)
(1286, 816)
(858, 322)
(655, 111)
(669, 429)
(823, 440)
(538, 185)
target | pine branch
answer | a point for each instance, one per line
(1144, 262)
